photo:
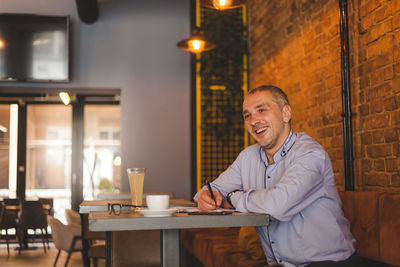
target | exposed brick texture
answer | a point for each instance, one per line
(295, 44)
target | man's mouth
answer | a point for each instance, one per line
(260, 130)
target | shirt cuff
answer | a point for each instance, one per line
(235, 198)
(196, 197)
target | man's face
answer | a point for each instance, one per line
(266, 120)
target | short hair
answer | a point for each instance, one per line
(279, 95)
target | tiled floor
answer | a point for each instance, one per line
(38, 258)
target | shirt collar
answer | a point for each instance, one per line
(283, 150)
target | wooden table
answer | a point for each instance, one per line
(169, 226)
(101, 205)
(16, 208)
(127, 195)
(88, 206)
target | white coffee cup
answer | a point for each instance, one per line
(157, 202)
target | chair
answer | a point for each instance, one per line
(65, 237)
(49, 202)
(7, 221)
(73, 218)
(32, 216)
(96, 246)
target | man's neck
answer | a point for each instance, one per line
(271, 152)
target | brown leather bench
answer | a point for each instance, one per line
(375, 223)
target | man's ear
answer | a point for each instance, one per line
(286, 113)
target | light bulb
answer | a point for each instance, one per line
(222, 4)
(65, 97)
(196, 45)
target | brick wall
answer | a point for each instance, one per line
(295, 44)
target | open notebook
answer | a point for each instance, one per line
(197, 211)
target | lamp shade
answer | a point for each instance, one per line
(222, 4)
(196, 43)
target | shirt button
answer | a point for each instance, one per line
(269, 177)
(272, 242)
(280, 261)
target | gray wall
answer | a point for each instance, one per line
(132, 47)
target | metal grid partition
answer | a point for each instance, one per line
(221, 82)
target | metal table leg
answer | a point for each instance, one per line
(170, 248)
(85, 242)
(108, 249)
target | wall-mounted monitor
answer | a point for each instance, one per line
(34, 48)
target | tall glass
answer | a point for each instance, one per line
(136, 180)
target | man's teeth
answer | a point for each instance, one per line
(261, 130)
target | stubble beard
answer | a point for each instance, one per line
(266, 141)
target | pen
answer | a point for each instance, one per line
(211, 192)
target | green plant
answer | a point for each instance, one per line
(105, 185)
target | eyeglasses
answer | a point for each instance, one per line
(116, 208)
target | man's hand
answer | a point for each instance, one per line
(205, 202)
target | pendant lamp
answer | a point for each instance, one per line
(196, 43)
(222, 4)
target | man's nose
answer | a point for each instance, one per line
(254, 120)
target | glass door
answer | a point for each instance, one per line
(48, 154)
(64, 152)
(8, 150)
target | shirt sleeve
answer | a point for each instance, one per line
(300, 185)
(228, 181)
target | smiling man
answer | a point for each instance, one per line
(288, 176)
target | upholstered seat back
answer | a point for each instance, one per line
(361, 209)
(63, 234)
(73, 218)
(32, 215)
(374, 222)
(7, 219)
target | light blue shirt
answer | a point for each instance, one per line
(298, 191)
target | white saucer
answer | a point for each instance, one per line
(157, 213)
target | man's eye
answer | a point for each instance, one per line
(246, 116)
(261, 110)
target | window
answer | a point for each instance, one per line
(101, 168)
